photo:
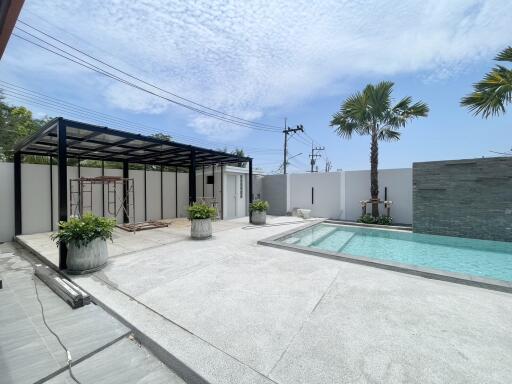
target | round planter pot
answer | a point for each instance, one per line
(201, 228)
(88, 258)
(259, 217)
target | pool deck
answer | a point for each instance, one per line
(233, 311)
(29, 353)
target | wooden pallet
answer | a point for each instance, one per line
(143, 226)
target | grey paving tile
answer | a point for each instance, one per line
(124, 362)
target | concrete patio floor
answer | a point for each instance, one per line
(237, 312)
(30, 353)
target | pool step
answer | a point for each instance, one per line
(335, 241)
(310, 236)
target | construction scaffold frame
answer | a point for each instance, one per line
(120, 197)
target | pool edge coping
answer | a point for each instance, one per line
(428, 273)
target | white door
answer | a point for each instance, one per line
(231, 194)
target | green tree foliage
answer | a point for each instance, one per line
(161, 136)
(491, 95)
(16, 123)
(372, 112)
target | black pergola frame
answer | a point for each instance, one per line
(68, 139)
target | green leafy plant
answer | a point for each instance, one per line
(258, 206)
(81, 231)
(201, 211)
(381, 220)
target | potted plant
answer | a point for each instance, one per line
(258, 210)
(201, 216)
(86, 239)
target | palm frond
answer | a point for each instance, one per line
(492, 94)
(388, 134)
(505, 55)
(379, 98)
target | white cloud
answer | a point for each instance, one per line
(252, 57)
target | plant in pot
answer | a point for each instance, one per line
(258, 210)
(86, 240)
(201, 216)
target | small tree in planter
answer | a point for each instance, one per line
(201, 216)
(258, 210)
(86, 239)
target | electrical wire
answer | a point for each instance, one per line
(68, 353)
(80, 61)
(25, 94)
(139, 79)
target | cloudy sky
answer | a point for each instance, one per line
(267, 60)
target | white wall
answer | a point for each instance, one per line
(6, 201)
(36, 204)
(337, 195)
(320, 192)
(399, 184)
(275, 191)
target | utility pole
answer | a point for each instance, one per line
(287, 131)
(314, 155)
(328, 165)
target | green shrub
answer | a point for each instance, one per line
(369, 219)
(385, 220)
(81, 231)
(259, 206)
(201, 211)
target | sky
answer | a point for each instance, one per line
(265, 61)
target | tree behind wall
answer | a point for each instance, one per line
(16, 123)
(372, 112)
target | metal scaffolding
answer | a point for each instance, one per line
(120, 196)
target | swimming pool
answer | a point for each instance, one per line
(479, 258)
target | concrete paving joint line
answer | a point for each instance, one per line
(162, 354)
(187, 374)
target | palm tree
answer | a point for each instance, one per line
(371, 112)
(494, 92)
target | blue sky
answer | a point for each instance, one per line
(266, 60)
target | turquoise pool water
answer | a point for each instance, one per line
(490, 259)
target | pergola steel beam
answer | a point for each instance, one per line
(192, 197)
(62, 175)
(17, 194)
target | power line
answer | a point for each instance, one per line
(37, 98)
(141, 80)
(80, 61)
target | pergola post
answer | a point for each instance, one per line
(17, 194)
(126, 205)
(250, 189)
(51, 194)
(192, 197)
(62, 172)
(145, 193)
(222, 191)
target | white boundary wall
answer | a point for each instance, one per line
(337, 195)
(35, 194)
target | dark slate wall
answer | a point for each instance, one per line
(466, 198)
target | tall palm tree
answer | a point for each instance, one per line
(494, 92)
(371, 112)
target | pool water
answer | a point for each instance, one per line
(483, 258)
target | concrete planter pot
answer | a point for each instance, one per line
(89, 258)
(258, 217)
(201, 228)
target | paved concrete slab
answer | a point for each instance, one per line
(237, 312)
(29, 352)
(378, 326)
(124, 362)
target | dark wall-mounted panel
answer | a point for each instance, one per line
(466, 198)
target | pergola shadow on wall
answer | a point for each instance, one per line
(63, 139)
